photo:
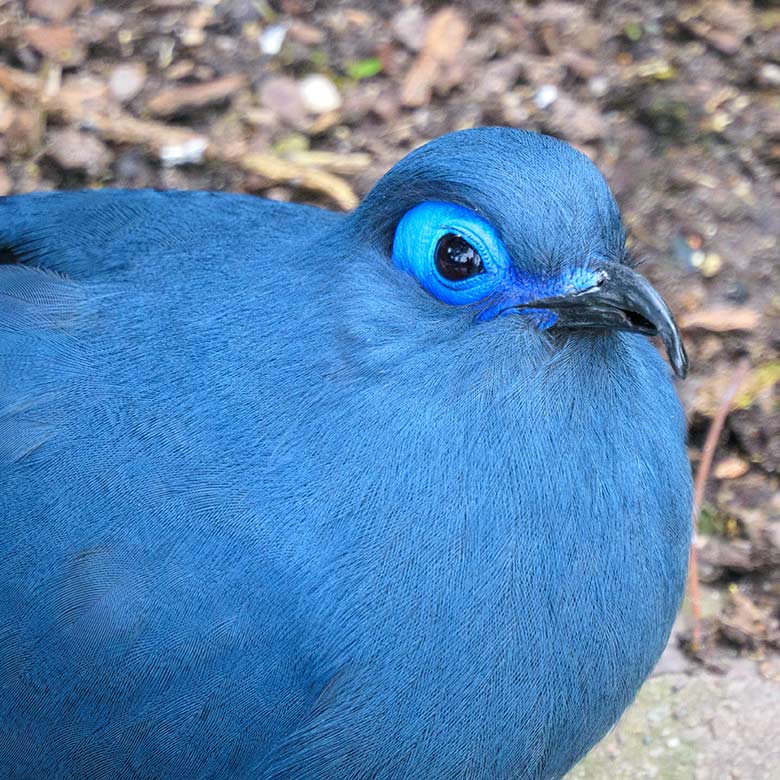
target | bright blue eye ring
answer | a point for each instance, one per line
(417, 238)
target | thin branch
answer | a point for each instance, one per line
(702, 475)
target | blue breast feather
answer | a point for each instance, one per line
(270, 510)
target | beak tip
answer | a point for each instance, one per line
(679, 360)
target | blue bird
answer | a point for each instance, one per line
(401, 493)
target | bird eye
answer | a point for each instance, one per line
(456, 259)
(455, 254)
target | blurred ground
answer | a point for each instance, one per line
(698, 726)
(677, 102)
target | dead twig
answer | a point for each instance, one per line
(702, 475)
(278, 170)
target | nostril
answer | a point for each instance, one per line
(639, 322)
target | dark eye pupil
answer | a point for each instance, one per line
(456, 259)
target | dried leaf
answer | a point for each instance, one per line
(279, 171)
(444, 39)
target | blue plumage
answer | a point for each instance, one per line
(272, 509)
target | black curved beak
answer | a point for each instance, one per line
(620, 300)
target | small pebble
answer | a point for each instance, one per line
(187, 153)
(598, 86)
(319, 94)
(192, 37)
(769, 75)
(737, 292)
(272, 39)
(132, 169)
(711, 265)
(545, 96)
(127, 80)
(282, 95)
(731, 468)
(74, 150)
(408, 27)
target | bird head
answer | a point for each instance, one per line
(496, 223)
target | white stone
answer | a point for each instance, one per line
(545, 96)
(598, 86)
(127, 80)
(319, 94)
(186, 153)
(769, 74)
(272, 39)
